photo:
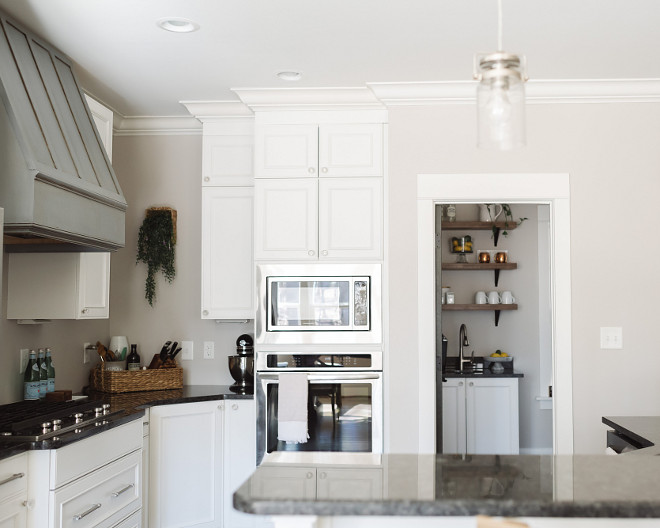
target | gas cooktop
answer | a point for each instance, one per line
(33, 421)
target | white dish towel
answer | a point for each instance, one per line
(292, 408)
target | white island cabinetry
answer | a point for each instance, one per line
(13, 491)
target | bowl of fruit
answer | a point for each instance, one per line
(495, 360)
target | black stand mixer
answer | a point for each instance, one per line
(241, 366)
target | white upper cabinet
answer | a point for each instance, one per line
(58, 286)
(327, 150)
(351, 218)
(286, 151)
(227, 160)
(286, 219)
(227, 263)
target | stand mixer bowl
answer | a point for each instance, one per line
(241, 369)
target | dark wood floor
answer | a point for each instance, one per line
(351, 432)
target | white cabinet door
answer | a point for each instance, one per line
(145, 469)
(351, 150)
(348, 483)
(58, 286)
(185, 464)
(284, 482)
(492, 416)
(227, 160)
(227, 263)
(94, 286)
(286, 219)
(286, 151)
(13, 514)
(453, 416)
(240, 457)
(351, 218)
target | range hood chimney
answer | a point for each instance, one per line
(57, 185)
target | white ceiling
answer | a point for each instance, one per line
(127, 62)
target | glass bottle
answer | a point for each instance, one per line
(451, 212)
(43, 373)
(133, 359)
(31, 380)
(51, 370)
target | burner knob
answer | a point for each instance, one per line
(77, 431)
(57, 422)
(78, 417)
(46, 425)
(98, 411)
(106, 408)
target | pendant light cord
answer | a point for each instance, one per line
(499, 25)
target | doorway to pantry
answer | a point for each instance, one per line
(547, 194)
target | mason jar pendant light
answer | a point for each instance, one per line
(500, 96)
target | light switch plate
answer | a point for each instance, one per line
(611, 337)
(25, 356)
(186, 350)
(209, 349)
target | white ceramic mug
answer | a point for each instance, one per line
(508, 298)
(480, 298)
(494, 298)
(445, 289)
(489, 212)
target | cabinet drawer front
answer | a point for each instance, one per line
(80, 458)
(13, 476)
(113, 490)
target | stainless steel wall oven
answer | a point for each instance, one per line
(344, 400)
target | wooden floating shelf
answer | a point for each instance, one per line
(497, 308)
(476, 266)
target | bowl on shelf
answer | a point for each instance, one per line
(496, 363)
(461, 244)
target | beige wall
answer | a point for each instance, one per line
(611, 154)
(166, 171)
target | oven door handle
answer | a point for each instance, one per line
(336, 377)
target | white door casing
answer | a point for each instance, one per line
(552, 189)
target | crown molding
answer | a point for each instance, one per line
(537, 91)
(210, 110)
(154, 126)
(282, 99)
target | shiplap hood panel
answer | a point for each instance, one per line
(56, 181)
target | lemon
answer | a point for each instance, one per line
(504, 354)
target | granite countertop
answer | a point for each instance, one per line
(455, 485)
(643, 429)
(451, 370)
(130, 406)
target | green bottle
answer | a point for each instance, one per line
(51, 370)
(43, 373)
(31, 379)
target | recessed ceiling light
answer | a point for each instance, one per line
(177, 24)
(289, 75)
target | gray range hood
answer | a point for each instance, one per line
(57, 185)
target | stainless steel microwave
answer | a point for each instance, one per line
(326, 304)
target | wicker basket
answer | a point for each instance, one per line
(134, 381)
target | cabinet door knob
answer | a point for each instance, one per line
(472, 384)
(309, 475)
(205, 312)
(311, 252)
(324, 252)
(460, 383)
(84, 310)
(311, 170)
(323, 475)
(206, 178)
(235, 406)
(324, 170)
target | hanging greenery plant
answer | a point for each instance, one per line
(156, 241)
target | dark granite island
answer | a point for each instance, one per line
(365, 490)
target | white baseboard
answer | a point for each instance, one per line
(536, 450)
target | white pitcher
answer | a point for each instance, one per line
(489, 212)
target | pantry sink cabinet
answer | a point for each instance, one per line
(480, 416)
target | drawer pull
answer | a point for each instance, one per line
(87, 512)
(123, 490)
(15, 476)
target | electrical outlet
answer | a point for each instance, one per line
(87, 353)
(186, 350)
(25, 356)
(208, 349)
(611, 337)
